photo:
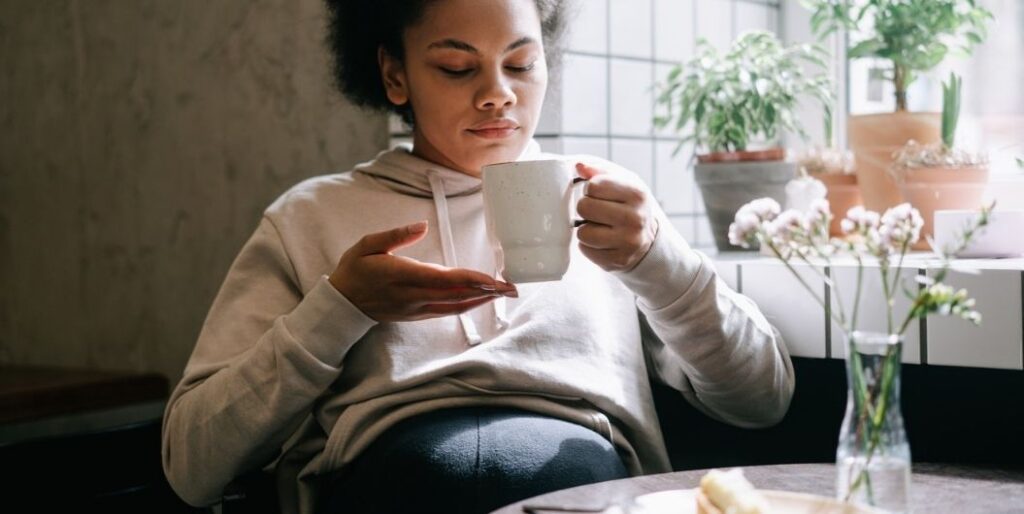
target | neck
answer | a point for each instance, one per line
(422, 148)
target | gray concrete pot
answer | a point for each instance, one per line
(726, 186)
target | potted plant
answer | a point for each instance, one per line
(914, 36)
(940, 175)
(834, 167)
(733, 107)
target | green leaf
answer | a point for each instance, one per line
(747, 91)
(673, 75)
(861, 13)
(950, 109)
(816, 20)
(865, 49)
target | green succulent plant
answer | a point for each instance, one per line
(723, 101)
(914, 35)
(950, 109)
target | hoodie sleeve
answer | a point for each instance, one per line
(707, 341)
(265, 353)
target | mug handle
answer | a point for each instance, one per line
(578, 222)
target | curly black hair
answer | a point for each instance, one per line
(357, 28)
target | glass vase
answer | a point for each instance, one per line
(873, 457)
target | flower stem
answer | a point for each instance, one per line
(899, 268)
(830, 283)
(799, 278)
(872, 431)
(856, 298)
(884, 269)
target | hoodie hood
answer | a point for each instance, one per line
(401, 171)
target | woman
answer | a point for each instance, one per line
(403, 377)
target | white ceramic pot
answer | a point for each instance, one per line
(1000, 238)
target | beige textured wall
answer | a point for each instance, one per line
(139, 142)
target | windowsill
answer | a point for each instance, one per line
(996, 285)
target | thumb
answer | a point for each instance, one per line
(588, 172)
(391, 240)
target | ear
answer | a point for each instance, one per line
(392, 73)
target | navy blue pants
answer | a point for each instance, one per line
(468, 460)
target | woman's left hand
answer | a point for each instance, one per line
(621, 225)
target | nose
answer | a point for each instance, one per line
(495, 93)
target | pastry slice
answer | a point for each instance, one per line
(729, 492)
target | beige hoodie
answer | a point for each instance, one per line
(288, 374)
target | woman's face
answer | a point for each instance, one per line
(475, 74)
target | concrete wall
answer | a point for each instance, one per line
(139, 142)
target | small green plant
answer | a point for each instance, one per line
(950, 109)
(939, 154)
(914, 35)
(723, 101)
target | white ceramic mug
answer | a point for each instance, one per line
(529, 209)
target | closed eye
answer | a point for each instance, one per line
(466, 71)
(457, 73)
(520, 69)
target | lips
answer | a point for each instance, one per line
(494, 129)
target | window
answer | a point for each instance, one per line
(992, 111)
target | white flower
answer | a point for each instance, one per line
(743, 231)
(750, 218)
(860, 220)
(766, 209)
(793, 234)
(819, 216)
(820, 209)
(785, 227)
(900, 227)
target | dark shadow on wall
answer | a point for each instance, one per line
(952, 414)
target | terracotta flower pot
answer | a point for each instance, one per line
(770, 154)
(936, 188)
(874, 138)
(843, 194)
(729, 181)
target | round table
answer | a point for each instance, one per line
(933, 488)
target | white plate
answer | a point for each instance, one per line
(684, 501)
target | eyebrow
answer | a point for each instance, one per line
(466, 47)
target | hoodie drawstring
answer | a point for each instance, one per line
(499, 310)
(448, 247)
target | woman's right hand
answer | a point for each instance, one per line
(389, 287)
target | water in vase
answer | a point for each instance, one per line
(889, 486)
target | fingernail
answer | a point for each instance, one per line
(486, 287)
(418, 227)
(511, 294)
